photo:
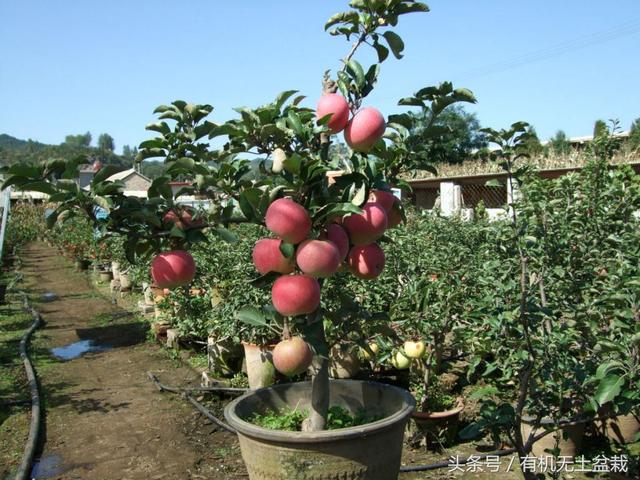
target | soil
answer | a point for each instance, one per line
(104, 417)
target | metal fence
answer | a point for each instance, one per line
(491, 196)
(5, 205)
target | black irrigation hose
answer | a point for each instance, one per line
(207, 413)
(34, 430)
(185, 393)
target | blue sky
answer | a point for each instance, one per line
(70, 66)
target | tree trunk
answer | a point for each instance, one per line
(317, 419)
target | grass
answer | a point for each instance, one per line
(14, 414)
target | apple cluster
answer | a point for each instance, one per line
(350, 240)
(361, 132)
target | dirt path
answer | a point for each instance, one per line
(104, 419)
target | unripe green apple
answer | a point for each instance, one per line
(414, 349)
(400, 361)
(373, 347)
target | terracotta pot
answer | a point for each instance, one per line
(105, 276)
(568, 446)
(223, 356)
(125, 281)
(260, 369)
(438, 426)
(343, 362)
(366, 452)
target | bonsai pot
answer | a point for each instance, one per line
(224, 356)
(568, 439)
(115, 269)
(260, 369)
(125, 281)
(435, 425)
(105, 276)
(366, 452)
(343, 363)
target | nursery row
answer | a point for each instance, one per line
(446, 316)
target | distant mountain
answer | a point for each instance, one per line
(15, 150)
(13, 143)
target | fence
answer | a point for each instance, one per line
(5, 205)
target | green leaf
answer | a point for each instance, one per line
(295, 123)
(472, 431)
(357, 73)
(283, 97)
(105, 172)
(411, 102)
(395, 43)
(264, 280)
(287, 249)
(360, 196)
(226, 235)
(41, 186)
(343, 17)
(608, 389)
(160, 127)
(404, 8)
(381, 50)
(251, 316)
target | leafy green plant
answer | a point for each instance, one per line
(291, 419)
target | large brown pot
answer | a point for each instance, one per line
(436, 425)
(568, 446)
(367, 452)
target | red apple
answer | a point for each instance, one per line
(289, 220)
(367, 227)
(337, 106)
(293, 356)
(173, 269)
(182, 218)
(364, 129)
(295, 295)
(267, 257)
(385, 199)
(337, 235)
(318, 258)
(366, 261)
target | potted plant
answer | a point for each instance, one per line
(316, 223)
(316, 227)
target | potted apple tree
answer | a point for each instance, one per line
(322, 225)
(318, 223)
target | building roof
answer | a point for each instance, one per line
(124, 174)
